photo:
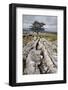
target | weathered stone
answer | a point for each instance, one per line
(40, 56)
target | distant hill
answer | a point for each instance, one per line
(42, 30)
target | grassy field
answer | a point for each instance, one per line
(49, 36)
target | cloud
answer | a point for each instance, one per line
(50, 21)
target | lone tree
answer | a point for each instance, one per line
(37, 26)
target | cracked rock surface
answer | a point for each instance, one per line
(40, 57)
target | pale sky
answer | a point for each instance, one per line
(50, 21)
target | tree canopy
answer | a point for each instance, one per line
(37, 26)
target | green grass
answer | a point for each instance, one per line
(49, 36)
